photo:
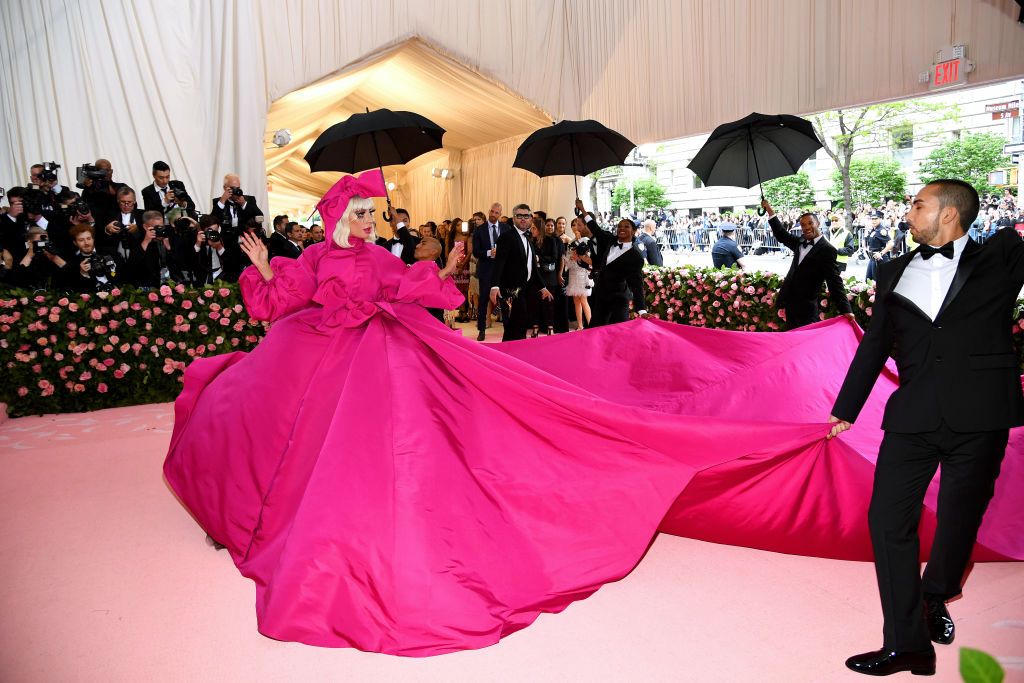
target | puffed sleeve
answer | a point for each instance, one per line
(290, 289)
(421, 285)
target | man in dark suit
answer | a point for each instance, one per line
(814, 263)
(166, 194)
(649, 244)
(944, 311)
(485, 240)
(516, 274)
(618, 271)
(403, 243)
(291, 246)
(233, 209)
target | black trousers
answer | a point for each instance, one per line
(483, 301)
(608, 309)
(799, 316)
(517, 320)
(906, 464)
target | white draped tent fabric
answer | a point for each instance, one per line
(193, 82)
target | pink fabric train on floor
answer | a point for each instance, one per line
(392, 486)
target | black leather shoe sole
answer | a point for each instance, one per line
(883, 663)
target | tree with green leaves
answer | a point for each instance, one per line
(648, 193)
(970, 158)
(790, 192)
(845, 132)
(873, 180)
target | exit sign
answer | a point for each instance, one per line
(949, 73)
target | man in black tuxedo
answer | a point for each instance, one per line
(295, 235)
(618, 271)
(403, 243)
(516, 274)
(814, 264)
(485, 240)
(943, 310)
(233, 209)
(166, 194)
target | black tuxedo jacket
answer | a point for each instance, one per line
(481, 245)
(801, 289)
(623, 278)
(960, 368)
(151, 199)
(510, 265)
(250, 210)
(408, 242)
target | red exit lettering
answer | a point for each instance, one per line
(947, 72)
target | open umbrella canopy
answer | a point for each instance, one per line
(572, 148)
(374, 139)
(756, 148)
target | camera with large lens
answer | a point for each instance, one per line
(95, 173)
(45, 244)
(102, 265)
(212, 235)
(237, 192)
(49, 172)
(78, 209)
(163, 231)
(180, 194)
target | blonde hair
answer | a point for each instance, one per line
(342, 231)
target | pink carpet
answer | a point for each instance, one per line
(103, 578)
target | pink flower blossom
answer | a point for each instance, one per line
(101, 387)
(22, 391)
(208, 293)
(186, 304)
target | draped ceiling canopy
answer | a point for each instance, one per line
(202, 84)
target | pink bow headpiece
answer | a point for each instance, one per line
(334, 203)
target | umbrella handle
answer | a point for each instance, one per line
(750, 143)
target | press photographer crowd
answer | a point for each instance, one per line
(97, 236)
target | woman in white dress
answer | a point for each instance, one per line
(579, 275)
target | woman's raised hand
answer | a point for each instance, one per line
(256, 250)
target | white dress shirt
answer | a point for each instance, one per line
(492, 232)
(525, 236)
(162, 193)
(618, 250)
(806, 248)
(925, 282)
(397, 247)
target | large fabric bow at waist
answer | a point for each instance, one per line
(352, 313)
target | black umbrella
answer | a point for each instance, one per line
(572, 148)
(756, 148)
(377, 138)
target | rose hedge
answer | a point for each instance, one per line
(88, 351)
(84, 352)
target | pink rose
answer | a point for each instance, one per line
(22, 391)
(208, 293)
(108, 362)
(118, 374)
(152, 296)
(164, 290)
(186, 304)
(102, 388)
(224, 291)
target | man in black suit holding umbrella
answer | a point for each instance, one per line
(814, 264)
(618, 271)
(403, 243)
(516, 274)
(944, 311)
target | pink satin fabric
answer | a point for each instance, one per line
(392, 486)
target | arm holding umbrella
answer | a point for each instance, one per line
(784, 237)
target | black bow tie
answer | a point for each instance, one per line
(806, 243)
(927, 252)
(622, 245)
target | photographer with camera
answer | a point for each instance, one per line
(13, 223)
(44, 178)
(233, 209)
(90, 270)
(42, 266)
(122, 231)
(53, 223)
(212, 258)
(98, 189)
(166, 195)
(153, 252)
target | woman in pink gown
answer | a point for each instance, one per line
(337, 464)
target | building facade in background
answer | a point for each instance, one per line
(909, 142)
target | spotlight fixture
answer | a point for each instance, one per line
(442, 173)
(391, 187)
(282, 137)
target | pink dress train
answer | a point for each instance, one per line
(387, 485)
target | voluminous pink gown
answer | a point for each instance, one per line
(387, 484)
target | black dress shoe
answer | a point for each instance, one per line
(884, 662)
(940, 624)
(480, 336)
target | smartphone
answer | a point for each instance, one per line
(465, 226)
